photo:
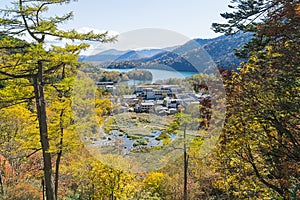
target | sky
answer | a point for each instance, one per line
(192, 18)
(184, 19)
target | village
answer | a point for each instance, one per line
(155, 98)
(143, 113)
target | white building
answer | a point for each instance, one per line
(147, 106)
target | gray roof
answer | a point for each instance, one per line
(147, 104)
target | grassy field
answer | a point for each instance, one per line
(137, 124)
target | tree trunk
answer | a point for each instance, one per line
(42, 118)
(1, 185)
(59, 154)
(43, 188)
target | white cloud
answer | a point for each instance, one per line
(94, 48)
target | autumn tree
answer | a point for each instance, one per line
(90, 179)
(261, 135)
(35, 63)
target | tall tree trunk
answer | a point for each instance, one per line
(59, 154)
(1, 185)
(43, 188)
(42, 118)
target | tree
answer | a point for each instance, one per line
(18, 146)
(36, 63)
(93, 180)
(155, 186)
(261, 134)
(268, 20)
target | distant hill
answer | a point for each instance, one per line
(105, 56)
(114, 55)
(220, 50)
(135, 55)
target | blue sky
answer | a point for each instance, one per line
(192, 18)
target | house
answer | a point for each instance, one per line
(159, 94)
(156, 92)
(109, 86)
(147, 106)
(148, 93)
(129, 99)
(172, 89)
(187, 98)
(159, 109)
(171, 103)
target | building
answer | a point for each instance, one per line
(147, 106)
(171, 103)
(108, 86)
(104, 83)
(156, 92)
(173, 89)
(148, 93)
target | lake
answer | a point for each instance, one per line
(157, 74)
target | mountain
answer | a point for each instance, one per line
(195, 55)
(141, 54)
(114, 55)
(104, 56)
(222, 51)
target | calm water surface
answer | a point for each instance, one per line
(158, 74)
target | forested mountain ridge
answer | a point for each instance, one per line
(117, 55)
(220, 49)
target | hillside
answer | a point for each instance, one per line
(220, 50)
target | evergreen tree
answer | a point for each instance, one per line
(36, 64)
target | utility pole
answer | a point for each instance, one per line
(185, 160)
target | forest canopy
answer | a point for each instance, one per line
(42, 157)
